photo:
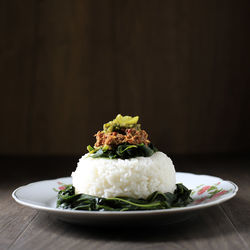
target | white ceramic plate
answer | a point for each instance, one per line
(207, 191)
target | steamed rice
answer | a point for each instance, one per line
(136, 177)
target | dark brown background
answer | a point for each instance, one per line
(66, 67)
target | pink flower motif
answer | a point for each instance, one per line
(219, 194)
(62, 188)
(217, 183)
(60, 183)
(203, 190)
(200, 200)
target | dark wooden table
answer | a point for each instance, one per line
(225, 226)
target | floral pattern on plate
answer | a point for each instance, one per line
(206, 193)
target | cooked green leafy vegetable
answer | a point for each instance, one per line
(67, 199)
(123, 151)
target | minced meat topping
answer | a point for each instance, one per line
(129, 135)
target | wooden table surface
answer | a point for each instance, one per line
(225, 226)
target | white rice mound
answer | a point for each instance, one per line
(136, 177)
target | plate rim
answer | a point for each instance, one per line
(157, 211)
